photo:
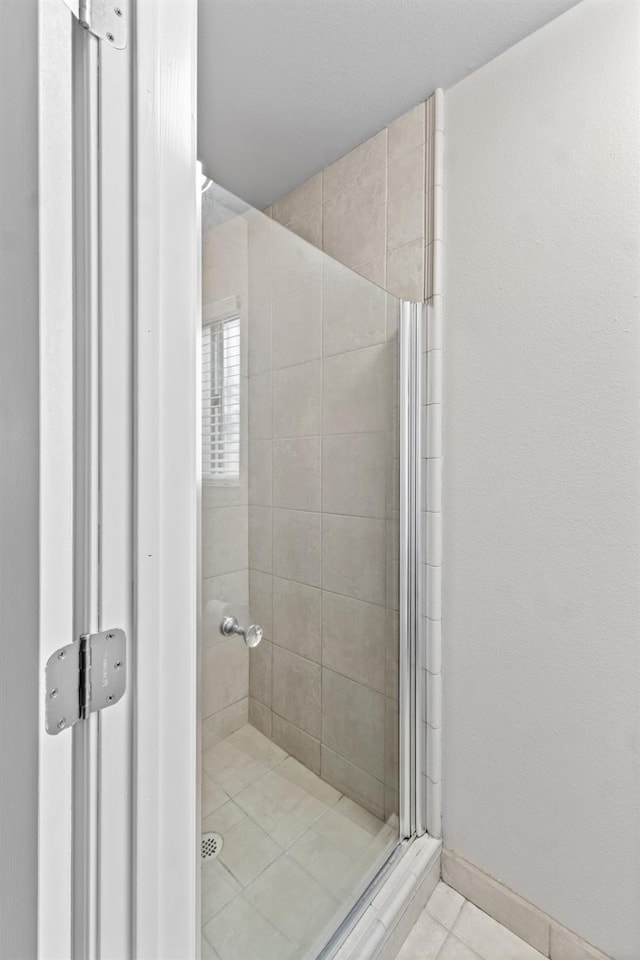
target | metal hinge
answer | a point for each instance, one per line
(87, 675)
(106, 19)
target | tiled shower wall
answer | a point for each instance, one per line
(225, 563)
(379, 211)
(322, 500)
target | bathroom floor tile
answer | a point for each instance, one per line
(240, 932)
(292, 900)
(425, 940)
(247, 851)
(295, 854)
(218, 888)
(445, 904)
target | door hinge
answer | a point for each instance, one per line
(106, 19)
(87, 675)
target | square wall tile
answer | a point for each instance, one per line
(405, 271)
(354, 221)
(296, 263)
(297, 327)
(225, 675)
(260, 538)
(353, 781)
(260, 672)
(365, 160)
(354, 639)
(296, 690)
(296, 401)
(405, 200)
(297, 614)
(296, 473)
(297, 546)
(353, 310)
(407, 132)
(353, 476)
(260, 473)
(356, 396)
(353, 722)
(298, 201)
(354, 557)
(296, 742)
(224, 540)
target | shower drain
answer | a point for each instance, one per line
(211, 846)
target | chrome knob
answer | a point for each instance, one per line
(251, 636)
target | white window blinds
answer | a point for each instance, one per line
(221, 400)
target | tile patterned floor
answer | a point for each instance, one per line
(296, 852)
(451, 928)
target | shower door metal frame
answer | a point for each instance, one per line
(412, 330)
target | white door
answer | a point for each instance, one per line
(118, 254)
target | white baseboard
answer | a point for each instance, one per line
(515, 913)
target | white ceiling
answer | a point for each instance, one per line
(288, 86)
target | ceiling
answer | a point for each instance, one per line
(288, 86)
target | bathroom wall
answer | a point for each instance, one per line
(19, 472)
(225, 577)
(542, 475)
(322, 495)
(379, 211)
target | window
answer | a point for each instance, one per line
(221, 400)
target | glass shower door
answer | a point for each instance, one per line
(300, 570)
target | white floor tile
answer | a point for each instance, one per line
(213, 796)
(489, 938)
(455, 949)
(330, 866)
(343, 834)
(223, 818)
(425, 939)
(292, 900)
(445, 904)
(218, 888)
(247, 851)
(240, 932)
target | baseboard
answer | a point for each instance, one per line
(385, 924)
(515, 913)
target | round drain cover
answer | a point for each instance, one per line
(211, 846)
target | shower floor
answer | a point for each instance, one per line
(296, 855)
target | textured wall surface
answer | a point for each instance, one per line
(225, 512)
(542, 433)
(322, 500)
(19, 465)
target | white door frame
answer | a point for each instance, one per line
(166, 817)
(139, 850)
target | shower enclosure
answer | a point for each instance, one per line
(309, 587)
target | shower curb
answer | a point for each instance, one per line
(385, 924)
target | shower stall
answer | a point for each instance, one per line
(311, 699)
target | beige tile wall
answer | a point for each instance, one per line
(367, 210)
(372, 210)
(225, 511)
(322, 550)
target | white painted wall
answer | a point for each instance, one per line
(19, 467)
(542, 478)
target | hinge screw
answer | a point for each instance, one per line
(117, 11)
(110, 37)
(109, 636)
(110, 698)
(62, 655)
(117, 665)
(53, 694)
(62, 723)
